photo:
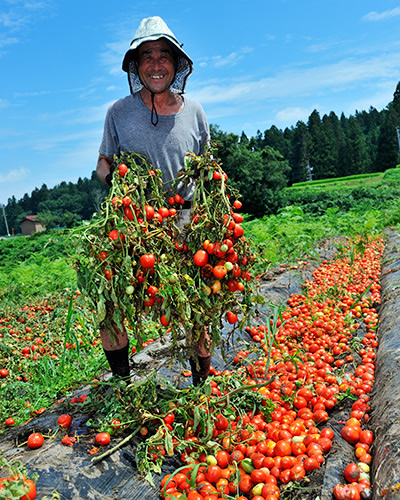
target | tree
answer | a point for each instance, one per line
(355, 158)
(260, 180)
(388, 147)
(299, 159)
(323, 154)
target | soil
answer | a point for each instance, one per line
(70, 472)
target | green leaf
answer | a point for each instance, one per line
(169, 448)
(197, 417)
(149, 478)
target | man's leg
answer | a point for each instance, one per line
(201, 362)
(116, 351)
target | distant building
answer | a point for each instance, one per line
(31, 224)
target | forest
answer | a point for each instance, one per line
(260, 167)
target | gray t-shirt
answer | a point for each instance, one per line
(128, 128)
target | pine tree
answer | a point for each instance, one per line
(299, 159)
(355, 159)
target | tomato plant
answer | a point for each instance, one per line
(146, 247)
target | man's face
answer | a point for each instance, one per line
(156, 65)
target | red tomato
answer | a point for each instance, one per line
(283, 448)
(128, 213)
(147, 261)
(108, 273)
(64, 421)
(200, 258)
(115, 236)
(346, 492)
(222, 423)
(126, 201)
(30, 488)
(35, 440)
(217, 175)
(231, 317)
(297, 472)
(164, 212)
(219, 271)
(352, 473)
(164, 321)
(103, 255)
(103, 438)
(149, 212)
(122, 169)
(213, 473)
(351, 433)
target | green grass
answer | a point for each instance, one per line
(349, 181)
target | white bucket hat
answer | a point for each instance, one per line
(150, 30)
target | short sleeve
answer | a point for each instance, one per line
(110, 144)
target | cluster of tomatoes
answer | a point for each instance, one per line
(310, 363)
(19, 487)
(136, 258)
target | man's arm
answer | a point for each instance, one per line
(103, 169)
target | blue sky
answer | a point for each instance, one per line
(256, 64)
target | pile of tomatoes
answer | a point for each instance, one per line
(136, 258)
(310, 362)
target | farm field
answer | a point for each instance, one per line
(248, 411)
(289, 411)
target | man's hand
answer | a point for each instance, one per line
(105, 169)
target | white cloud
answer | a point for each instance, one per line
(294, 114)
(387, 14)
(335, 77)
(57, 141)
(231, 59)
(14, 175)
(5, 42)
(113, 55)
(378, 99)
(325, 45)
(221, 61)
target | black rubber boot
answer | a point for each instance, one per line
(200, 369)
(119, 361)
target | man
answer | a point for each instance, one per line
(156, 121)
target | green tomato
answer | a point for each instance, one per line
(257, 489)
(211, 460)
(228, 266)
(129, 289)
(247, 465)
